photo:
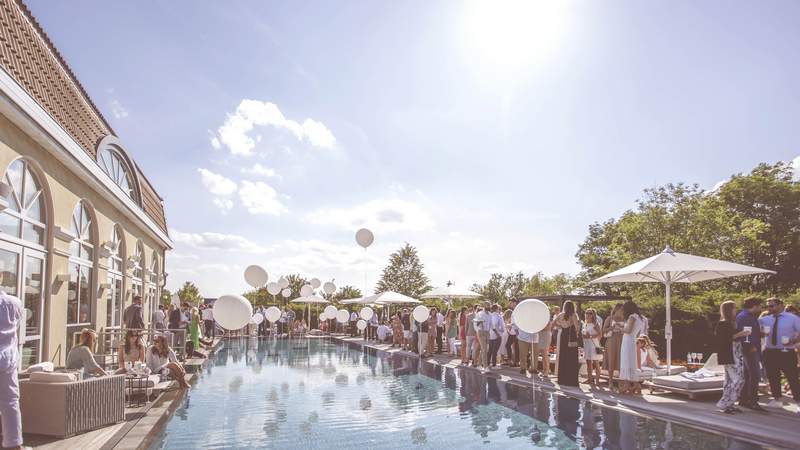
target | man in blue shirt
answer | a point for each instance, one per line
(779, 353)
(751, 350)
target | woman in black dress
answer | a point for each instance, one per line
(569, 324)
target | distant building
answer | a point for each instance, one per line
(82, 230)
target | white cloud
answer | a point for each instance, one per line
(117, 110)
(215, 143)
(217, 241)
(220, 187)
(234, 133)
(258, 169)
(260, 198)
(387, 215)
(796, 166)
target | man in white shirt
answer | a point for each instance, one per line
(482, 326)
(496, 330)
(208, 321)
(353, 320)
(439, 331)
(384, 332)
(159, 318)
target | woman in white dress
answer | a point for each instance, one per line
(592, 352)
(629, 355)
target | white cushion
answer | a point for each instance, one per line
(46, 366)
(53, 377)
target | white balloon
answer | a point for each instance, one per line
(321, 317)
(366, 313)
(329, 288)
(176, 299)
(342, 316)
(252, 320)
(273, 288)
(330, 312)
(364, 237)
(232, 312)
(531, 316)
(272, 314)
(421, 313)
(255, 276)
(283, 282)
(361, 324)
(306, 290)
(286, 292)
(315, 283)
(257, 318)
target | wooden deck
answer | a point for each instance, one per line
(775, 428)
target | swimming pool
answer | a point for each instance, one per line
(313, 393)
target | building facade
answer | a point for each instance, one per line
(82, 230)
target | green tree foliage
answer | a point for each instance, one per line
(190, 294)
(404, 274)
(344, 293)
(752, 219)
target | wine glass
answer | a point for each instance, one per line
(694, 358)
(699, 358)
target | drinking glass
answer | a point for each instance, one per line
(785, 341)
(748, 336)
(699, 358)
(688, 357)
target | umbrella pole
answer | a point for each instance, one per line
(668, 329)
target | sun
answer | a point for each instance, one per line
(504, 36)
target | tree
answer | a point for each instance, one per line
(344, 293)
(166, 297)
(190, 294)
(404, 274)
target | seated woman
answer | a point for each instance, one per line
(131, 351)
(82, 355)
(160, 356)
(648, 357)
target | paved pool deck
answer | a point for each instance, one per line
(774, 429)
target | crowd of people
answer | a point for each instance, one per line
(754, 344)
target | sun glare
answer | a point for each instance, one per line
(504, 36)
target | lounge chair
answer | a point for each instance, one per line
(708, 380)
(56, 404)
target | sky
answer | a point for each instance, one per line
(489, 135)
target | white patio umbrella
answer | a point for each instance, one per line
(391, 298)
(355, 301)
(670, 267)
(450, 292)
(310, 300)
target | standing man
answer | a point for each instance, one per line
(779, 353)
(158, 321)
(208, 322)
(751, 348)
(483, 323)
(422, 344)
(527, 347)
(282, 321)
(353, 321)
(439, 331)
(467, 352)
(405, 320)
(373, 326)
(133, 317)
(289, 318)
(495, 334)
(10, 315)
(174, 317)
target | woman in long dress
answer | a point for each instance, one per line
(569, 324)
(592, 352)
(629, 355)
(612, 330)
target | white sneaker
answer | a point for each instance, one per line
(775, 403)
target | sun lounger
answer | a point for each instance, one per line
(708, 380)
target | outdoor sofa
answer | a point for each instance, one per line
(55, 404)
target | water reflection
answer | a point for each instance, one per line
(295, 393)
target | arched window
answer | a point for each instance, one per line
(117, 250)
(25, 216)
(153, 292)
(113, 164)
(138, 259)
(23, 230)
(81, 266)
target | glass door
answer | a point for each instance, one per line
(33, 299)
(114, 302)
(14, 260)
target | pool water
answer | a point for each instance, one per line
(313, 393)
